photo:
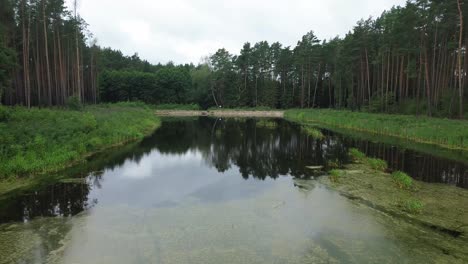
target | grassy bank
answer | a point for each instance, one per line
(443, 132)
(35, 141)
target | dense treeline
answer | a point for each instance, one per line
(48, 57)
(411, 59)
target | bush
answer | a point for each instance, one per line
(73, 103)
(402, 180)
(5, 114)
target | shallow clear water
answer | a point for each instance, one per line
(208, 191)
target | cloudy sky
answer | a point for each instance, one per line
(184, 31)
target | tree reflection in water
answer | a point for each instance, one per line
(258, 148)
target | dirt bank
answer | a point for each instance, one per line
(221, 113)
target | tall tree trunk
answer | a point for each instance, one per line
(316, 84)
(460, 85)
(46, 50)
(368, 77)
(78, 75)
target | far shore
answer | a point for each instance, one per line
(221, 113)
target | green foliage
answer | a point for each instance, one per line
(169, 85)
(377, 164)
(356, 154)
(413, 206)
(73, 103)
(34, 141)
(5, 113)
(7, 62)
(402, 180)
(443, 132)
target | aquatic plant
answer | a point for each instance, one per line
(377, 164)
(356, 155)
(335, 175)
(313, 132)
(413, 206)
(402, 180)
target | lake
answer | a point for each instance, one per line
(206, 190)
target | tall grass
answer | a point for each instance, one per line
(444, 132)
(34, 141)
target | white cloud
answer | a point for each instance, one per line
(186, 30)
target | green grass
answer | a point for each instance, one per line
(36, 141)
(177, 107)
(443, 132)
(402, 180)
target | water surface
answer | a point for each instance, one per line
(207, 190)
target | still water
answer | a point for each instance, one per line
(206, 190)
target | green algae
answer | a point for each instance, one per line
(438, 206)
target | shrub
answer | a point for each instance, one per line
(5, 114)
(73, 103)
(377, 164)
(402, 180)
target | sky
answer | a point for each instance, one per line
(184, 31)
